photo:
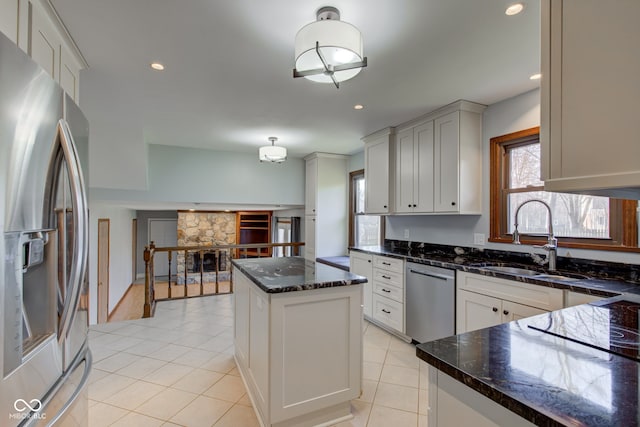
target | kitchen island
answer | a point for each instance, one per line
(298, 339)
(572, 367)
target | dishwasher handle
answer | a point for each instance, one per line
(434, 275)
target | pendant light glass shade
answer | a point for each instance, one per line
(328, 50)
(339, 42)
(271, 153)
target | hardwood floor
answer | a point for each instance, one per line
(132, 304)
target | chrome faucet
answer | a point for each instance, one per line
(552, 242)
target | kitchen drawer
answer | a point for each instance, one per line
(390, 264)
(388, 312)
(392, 292)
(387, 278)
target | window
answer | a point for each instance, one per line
(364, 230)
(579, 221)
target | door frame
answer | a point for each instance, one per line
(134, 249)
(99, 302)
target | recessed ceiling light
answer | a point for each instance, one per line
(514, 9)
(535, 77)
(157, 66)
(358, 107)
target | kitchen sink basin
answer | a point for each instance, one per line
(534, 274)
(511, 270)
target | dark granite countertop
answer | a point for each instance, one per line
(290, 274)
(544, 378)
(604, 279)
(341, 262)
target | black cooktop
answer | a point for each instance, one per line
(611, 326)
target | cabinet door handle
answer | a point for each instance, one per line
(386, 290)
(505, 312)
(385, 311)
(385, 206)
(415, 206)
(368, 260)
(453, 203)
(409, 206)
(495, 309)
(386, 277)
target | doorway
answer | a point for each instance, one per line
(163, 232)
(104, 225)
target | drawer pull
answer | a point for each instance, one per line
(386, 263)
(495, 309)
(388, 291)
(386, 277)
(385, 311)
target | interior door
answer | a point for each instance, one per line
(103, 269)
(163, 232)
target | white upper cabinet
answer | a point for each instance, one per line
(589, 97)
(326, 220)
(36, 28)
(414, 170)
(438, 164)
(378, 160)
(44, 42)
(9, 19)
(458, 160)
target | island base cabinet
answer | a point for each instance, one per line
(451, 403)
(304, 361)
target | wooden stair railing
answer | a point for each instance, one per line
(226, 251)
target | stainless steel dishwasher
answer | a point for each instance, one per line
(430, 302)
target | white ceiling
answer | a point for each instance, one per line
(228, 81)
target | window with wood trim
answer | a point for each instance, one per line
(579, 221)
(364, 230)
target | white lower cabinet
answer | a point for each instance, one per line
(310, 238)
(389, 312)
(388, 292)
(299, 353)
(451, 403)
(484, 301)
(361, 264)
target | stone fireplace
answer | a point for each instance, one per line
(204, 229)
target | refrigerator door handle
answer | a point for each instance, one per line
(80, 231)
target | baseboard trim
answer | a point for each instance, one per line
(112, 312)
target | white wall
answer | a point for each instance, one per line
(356, 161)
(511, 115)
(178, 174)
(120, 253)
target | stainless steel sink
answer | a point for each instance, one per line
(520, 271)
(511, 270)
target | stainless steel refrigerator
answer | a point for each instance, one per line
(45, 358)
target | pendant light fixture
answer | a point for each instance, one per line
(328, 50)
(271, 153)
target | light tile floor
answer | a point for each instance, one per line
(177, 368)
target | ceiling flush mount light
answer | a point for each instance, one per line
(358, 107)
(271, 153)
(157, 66)
(535, 76)
(514, 9)
(328, 50)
